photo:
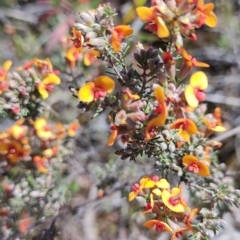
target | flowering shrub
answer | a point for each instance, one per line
(155, 114)
(151, 109)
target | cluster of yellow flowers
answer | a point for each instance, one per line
(171, 212)
(36, 142)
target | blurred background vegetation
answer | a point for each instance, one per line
(39, 28)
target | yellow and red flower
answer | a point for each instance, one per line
(46, 86)
(40, 163)
(90, 57)
(137, 188)
(188, 63)
(206, 14)
(43, 129)
(72, 128)
(172, 200)
(161, 110)
(160, 226)
(77, 39)
(156, 23)
(118, 34)
(14, 150)
(186, 127)
(72, 56)
(213, 121)
(194, 91)
(97, 89)
(194, 165)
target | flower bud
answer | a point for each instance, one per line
(87, 18)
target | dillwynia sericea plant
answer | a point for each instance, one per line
(156, 109)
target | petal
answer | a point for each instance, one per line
(51, 78)
(163, 183)
(190, 126)
(157, 192)
(199, 80)
(159, 94)
(105, 83)
(132, 196)
(115, 41)
(219, 129)
(175, 191)
(185, 54)
(189, 159)
(149, 184)
(86, 92)
(190, 96)
(146, 14)
(123, 31)
(201, 64)
(211, 20)
(6, 65)
(40, 123)
(208, 7)
(184, 134)
(203, 169)
(150, 223)
(112, 137)
(162, 29)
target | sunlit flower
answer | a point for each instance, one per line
(194, 91)
(97, 89)
(188, 63)
(160, 226)
(44, 66)
(46, 86)
(72, 56)
(43, 129)
(49, 152)
(186, 127)
(72, 128)
(172, 200)
(156, 23)
(137, 188)
(161, 112)
(14, 150)
(206, 14)
(194, 165)
(213, 121)
(77, 39)
(118, 34)
(40, 163)
(90, 56)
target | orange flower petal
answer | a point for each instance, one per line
(203, 169)
(162, 29)
(152, 223)
(189, 159)
(112, 137)
(105, 83)
(123, 31)
(146, 14)
(86, 92)
(211, 20)
(51, 78)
